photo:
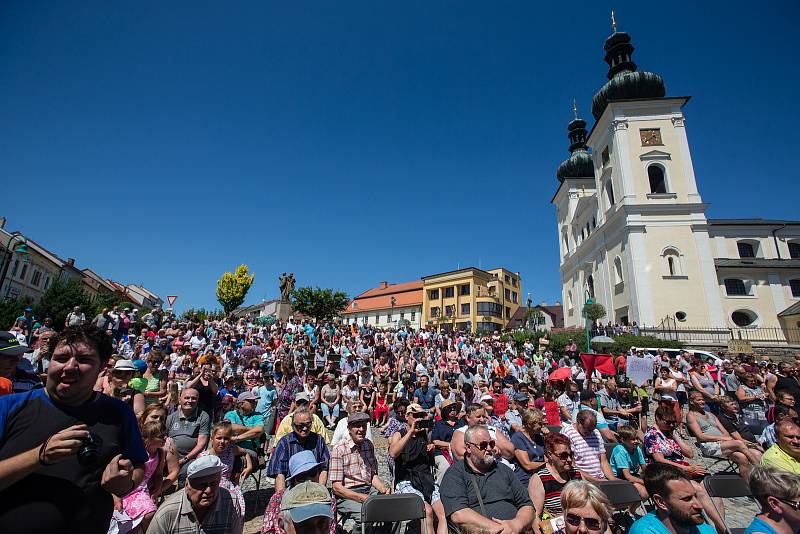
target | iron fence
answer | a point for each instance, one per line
(700, 334)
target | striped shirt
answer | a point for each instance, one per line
(553, 488)
(586, 450)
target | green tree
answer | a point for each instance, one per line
(321, 304)
(594, 312)
(11, 308)
(233, 287)
(533, 316)
(60, 298)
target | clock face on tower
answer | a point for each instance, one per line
(650, 137)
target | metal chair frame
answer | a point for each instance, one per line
(393, 508)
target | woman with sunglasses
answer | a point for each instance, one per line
(586, 508)
(118, 386)
(547, 483)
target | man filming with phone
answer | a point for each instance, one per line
(413, 453)
(65, 449)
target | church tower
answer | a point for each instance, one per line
(649, 258)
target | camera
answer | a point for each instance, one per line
(89, 452)
(425, 424)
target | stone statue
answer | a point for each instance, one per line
(286, 286)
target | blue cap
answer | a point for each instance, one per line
(302, 462)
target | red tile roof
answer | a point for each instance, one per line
(380, 298)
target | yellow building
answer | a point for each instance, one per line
(470, 299)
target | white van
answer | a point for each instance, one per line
(702, 354)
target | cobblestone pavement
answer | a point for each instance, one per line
(738, 512)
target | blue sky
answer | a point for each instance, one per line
(351, 142)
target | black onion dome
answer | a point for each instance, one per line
(624, 81)
(579, 164)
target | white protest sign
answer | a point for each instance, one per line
(640, 370)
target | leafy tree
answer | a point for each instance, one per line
(233, 287)
(321, 304)
(11, 308)
(60, 298)
(594, 312)
(533, 316)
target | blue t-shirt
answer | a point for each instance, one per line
(250, 421)
(266, 400)
(535, 454)
(759, 525)
(426, 400)
(622, 459)
(650, 524)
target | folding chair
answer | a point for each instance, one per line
(727, 487)
(609, 449)
(620, 493)
(393, 509)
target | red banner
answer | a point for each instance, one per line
(602, 362)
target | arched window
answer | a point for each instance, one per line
(672, 264)
(566, 243)
(739, 287)
(590, 286)
(618, 279)
(570, 303)
(658, 181)
(748, 248)
(610, 193)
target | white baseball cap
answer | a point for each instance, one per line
(204, 466)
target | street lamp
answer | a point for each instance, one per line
(21, 248)
(586, 302)
(393, 301)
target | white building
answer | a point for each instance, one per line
(387, 306)
(632, 226)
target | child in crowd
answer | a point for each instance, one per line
(627, 459)
(227, 452)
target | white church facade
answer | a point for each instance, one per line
(632, 227)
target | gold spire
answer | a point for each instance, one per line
(613, 21)
(575, 108)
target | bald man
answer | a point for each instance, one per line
(785, 454)
(189, 427)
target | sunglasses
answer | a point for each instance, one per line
(564, 456)
(302, 426)
(794, 505)
(483, 445)
(203, 484)
(590, 522)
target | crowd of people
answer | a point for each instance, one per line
(107, 428)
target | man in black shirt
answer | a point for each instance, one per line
(65, 449)
(730, 419)
(502, 504)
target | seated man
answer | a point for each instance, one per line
(588, 401)
(677, 507)
(778, 493)
(285, 426)
(587, 447)
(200, 506)
(774, 417)
(503, 504)
(476, 415)
(664, 446)
(247, 424)
(354, 470)
(785, 454)
(307, 509)
(300, 439)
(732, 421)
